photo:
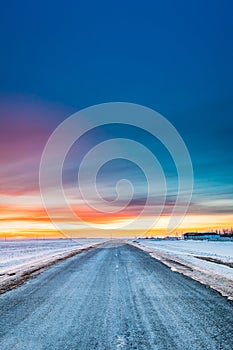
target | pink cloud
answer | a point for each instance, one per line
(25, 126)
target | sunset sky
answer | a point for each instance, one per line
(60, 57)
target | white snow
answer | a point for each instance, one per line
(218, 250)
(19, 257)
(181, 256)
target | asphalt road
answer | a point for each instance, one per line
(111, 298)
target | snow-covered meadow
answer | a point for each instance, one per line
(215, 249)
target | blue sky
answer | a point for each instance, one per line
(172, 56)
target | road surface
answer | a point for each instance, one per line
(111, 298)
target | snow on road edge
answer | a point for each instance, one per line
(15, 278)
(214, 280)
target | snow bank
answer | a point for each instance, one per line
(21, 259)
(191, 259)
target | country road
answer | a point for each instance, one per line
(110, 298)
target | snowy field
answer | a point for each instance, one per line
(208, 262)
(219, 250)
(18, 253)
(20, 257)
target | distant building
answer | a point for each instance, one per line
(227, 237)
(202, 235)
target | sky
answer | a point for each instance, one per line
(60, 57)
